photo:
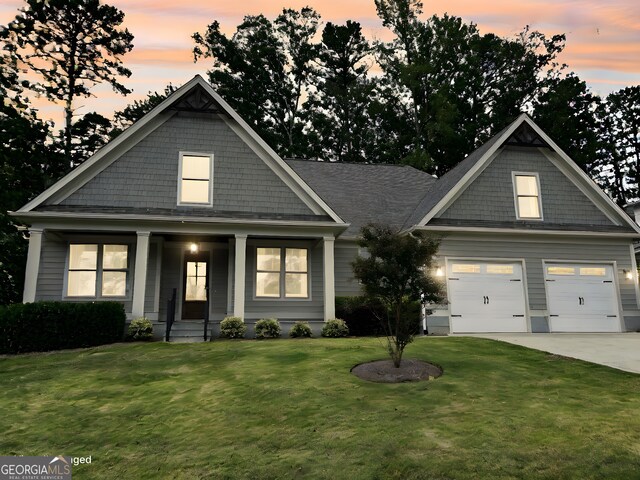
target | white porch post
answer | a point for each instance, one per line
(329, 278)
(240, 265)
(33, 265)
(140, 274)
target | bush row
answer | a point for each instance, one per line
(234, 327)
(44, 326)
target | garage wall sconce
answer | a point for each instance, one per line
(439, 272)
(628, 274)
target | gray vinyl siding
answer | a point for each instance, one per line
(286, 309)
(490, 196)
(346, 285)
(534, 252)
(219, 282)
(146, 176)
(170, 277)
(53, 257)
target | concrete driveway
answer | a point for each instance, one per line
(617, 350)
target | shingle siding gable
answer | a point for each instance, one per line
(147, 175)
(490, 195)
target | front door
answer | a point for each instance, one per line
(195, 286)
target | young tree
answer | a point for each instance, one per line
(72, 45)
(264, 71)
(395, 273)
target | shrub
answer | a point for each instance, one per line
(44, 326)
(361, 316)
(364, 317)
(300, 330)
(335, 328)
(140, 329)
(267, 328)
(232, 327)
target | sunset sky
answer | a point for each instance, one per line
(603, 36)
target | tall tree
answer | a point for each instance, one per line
(133, 112)
(569, 113)
(264, 71)
(622, 132)
(27, 165)
(72, 45)
(339, 107)
(459, 86)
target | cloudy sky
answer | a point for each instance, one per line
(603, 36)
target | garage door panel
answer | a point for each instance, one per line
(584, 301)
(486, 297)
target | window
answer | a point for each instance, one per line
(282, 272)
(527, 196)
(561, 270)
(593, 271)
(97, 268)
(194, 186)
(465, 268)
(495, 268)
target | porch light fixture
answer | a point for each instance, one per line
(193, 247)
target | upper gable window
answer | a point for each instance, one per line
(527, 196)
(195, 181)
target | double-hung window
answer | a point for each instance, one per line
(282, 272)
(97, 268)
(195, 185)
(527, 196)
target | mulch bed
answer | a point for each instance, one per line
(383, 371)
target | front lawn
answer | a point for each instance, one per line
(291, 409)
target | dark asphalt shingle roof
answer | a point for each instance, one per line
(366, 193)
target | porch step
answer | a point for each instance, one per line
(188, 331)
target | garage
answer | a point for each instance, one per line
(486, 297)
(581, 298)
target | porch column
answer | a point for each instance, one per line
(240, 266)
(329, 278)
(33, 265)
(140, 274)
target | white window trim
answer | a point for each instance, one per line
(99, 271)
(515, 195)
(283, 274)
(198, 204)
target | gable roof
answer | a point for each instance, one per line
(206, 98)
(366, 193)
(454, 182)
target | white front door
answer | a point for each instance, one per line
(581, 298)
(486, 297)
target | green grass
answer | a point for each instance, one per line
(291, 409)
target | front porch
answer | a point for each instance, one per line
(288, 276)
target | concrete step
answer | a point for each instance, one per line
(188, 331)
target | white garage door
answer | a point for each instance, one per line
(486, 297)
(582, 298)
